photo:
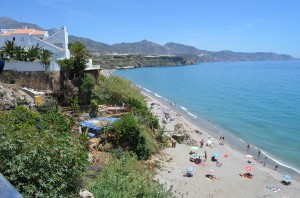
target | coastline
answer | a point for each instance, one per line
(173, 170)
(233, 141)
(230, 183)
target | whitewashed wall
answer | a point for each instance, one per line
(21, 66)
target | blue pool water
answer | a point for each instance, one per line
(258, 102)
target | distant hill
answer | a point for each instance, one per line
(145, 47)
(8, 23)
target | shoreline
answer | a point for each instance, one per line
(233, 141)
(172, 173)
(173, 170)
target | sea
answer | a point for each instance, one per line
(256, 103)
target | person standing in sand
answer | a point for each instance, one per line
(248, 147)
(265, 161)
(258, 154)
(201, 143)
(205, 156)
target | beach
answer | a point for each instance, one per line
(173, 163)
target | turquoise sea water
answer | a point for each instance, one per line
(258, 102)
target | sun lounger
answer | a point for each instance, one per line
(211, 177)
(287, 183)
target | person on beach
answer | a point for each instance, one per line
(248, 147)
(205, 156)
(258, 154)
(201, 143)
(265, 161)
(276, 167)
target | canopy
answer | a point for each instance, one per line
(98, 123)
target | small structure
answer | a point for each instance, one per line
(96, 125)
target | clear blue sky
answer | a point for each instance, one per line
(238, 25)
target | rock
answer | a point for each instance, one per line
(85, 194)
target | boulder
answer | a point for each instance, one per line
(85, 194)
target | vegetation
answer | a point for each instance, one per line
(112, 61)
(125, 177)
(74, 83)
(10, 51)
(39, 155)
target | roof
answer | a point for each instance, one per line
(24, 31)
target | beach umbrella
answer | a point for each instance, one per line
(209, 142)
(249, 156)
(287, 177)
(195, 148)
(215, 155)
(190, 170)
(249, 168)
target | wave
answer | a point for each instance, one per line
(147, 90)
(192, 115)
(183, 108)
(157, 95)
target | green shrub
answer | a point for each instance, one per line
(86, 89)
(129, 131)
(39, 155)
(125, 177)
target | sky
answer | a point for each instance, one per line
(215, 25)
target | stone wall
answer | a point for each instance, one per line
(34, 80)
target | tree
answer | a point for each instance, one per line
(86, 88)
(80, 56)
(33, 53)
(20, 54)
(8, 50)
(45, 58)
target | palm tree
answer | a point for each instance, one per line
(8, 50)
(33, 53)
(45, 58)
(20, 54)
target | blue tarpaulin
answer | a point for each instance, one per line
(98, 123)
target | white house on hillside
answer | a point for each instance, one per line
(57, 43)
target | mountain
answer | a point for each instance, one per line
(145, 47)
(182, 49)
(8, 23)
(92, 45)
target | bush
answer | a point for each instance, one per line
(39, 155)
(86, 89)
(129, 132)
(125, 177)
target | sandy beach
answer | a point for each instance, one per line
(174, 162)
(266, 182)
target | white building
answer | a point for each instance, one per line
(57, 43)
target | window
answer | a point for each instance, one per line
(59, 45)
